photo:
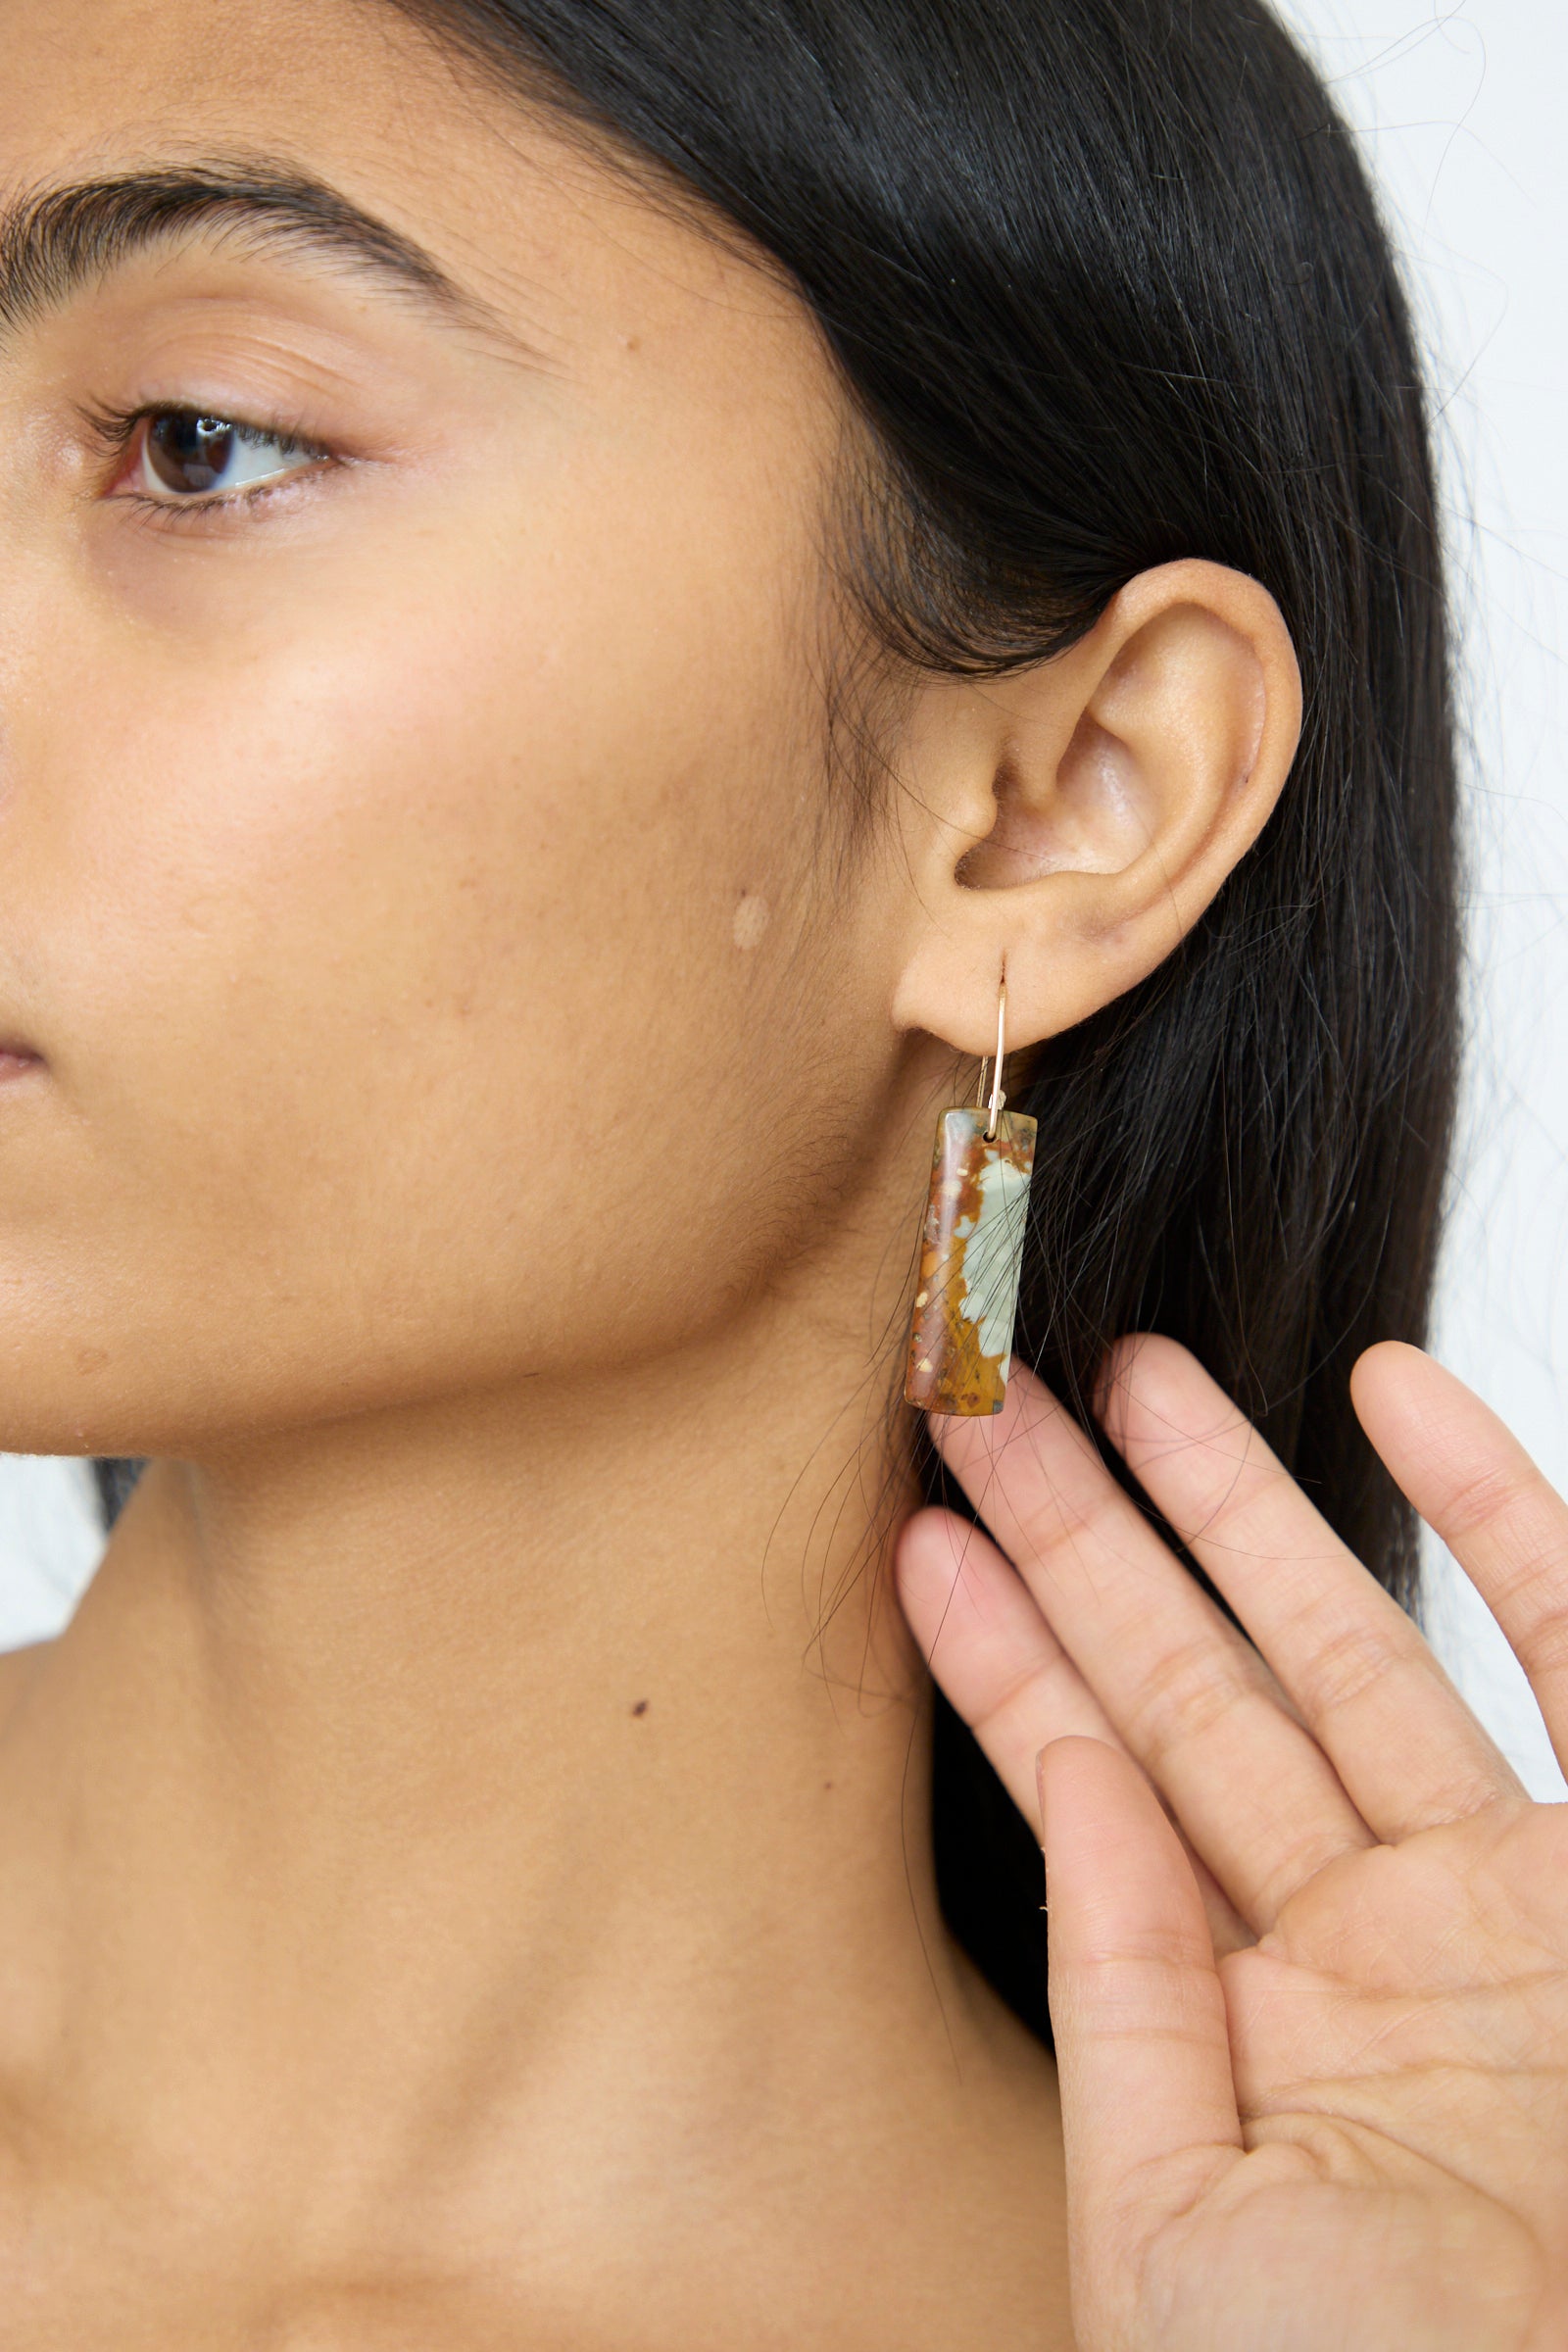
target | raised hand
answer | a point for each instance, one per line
(1308, 1934)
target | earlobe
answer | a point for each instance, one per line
(1102, 798)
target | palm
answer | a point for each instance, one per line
(1315, 2053)
(1397, 2036)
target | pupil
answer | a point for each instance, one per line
(189, 453)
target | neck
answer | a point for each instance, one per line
(448, 1746)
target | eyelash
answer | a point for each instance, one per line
(115, 429)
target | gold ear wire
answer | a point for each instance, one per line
(998, 1097)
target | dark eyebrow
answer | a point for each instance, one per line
(55, 242)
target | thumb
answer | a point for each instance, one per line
(1148, 2096)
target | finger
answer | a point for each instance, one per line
(1475, 1484)
(1005, 1673)
(1406, 1747)
(1186, 1695)
(991, 1650)
(1148, 2104)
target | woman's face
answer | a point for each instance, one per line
(416, 829)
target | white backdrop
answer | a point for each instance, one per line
(1461, 110)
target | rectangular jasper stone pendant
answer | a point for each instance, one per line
(971, 1249)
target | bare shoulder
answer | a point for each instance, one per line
(18, 1668)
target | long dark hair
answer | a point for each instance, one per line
(1106, 282)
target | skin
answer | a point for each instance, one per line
(1312, 2010)
(464, 1873)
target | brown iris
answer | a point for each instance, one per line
(188, 452)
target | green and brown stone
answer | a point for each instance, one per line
(971, 1249)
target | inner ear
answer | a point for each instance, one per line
(1088, 816)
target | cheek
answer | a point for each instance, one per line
(382, 971)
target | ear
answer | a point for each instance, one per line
(1068, 823)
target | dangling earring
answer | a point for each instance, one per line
(972, 1251)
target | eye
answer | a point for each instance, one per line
(175, 455)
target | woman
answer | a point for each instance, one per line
(584, 585)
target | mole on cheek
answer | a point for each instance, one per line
(751, 920)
